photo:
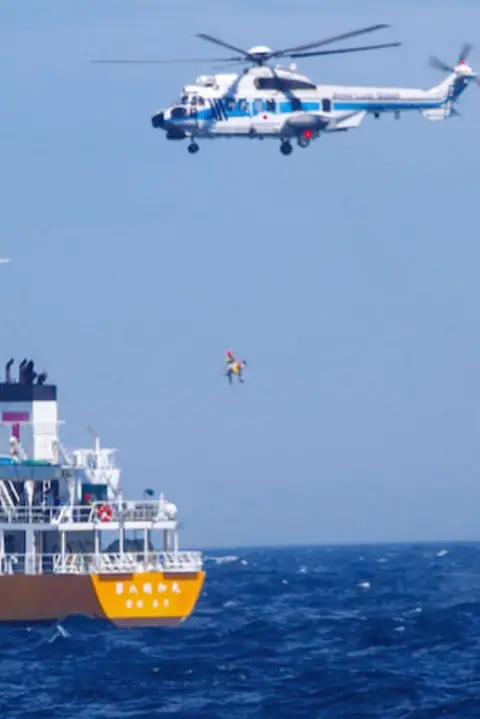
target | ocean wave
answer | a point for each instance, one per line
(273, 636)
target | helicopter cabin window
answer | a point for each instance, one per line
(283, 84)
(326, 105)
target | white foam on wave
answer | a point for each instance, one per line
(226, 559)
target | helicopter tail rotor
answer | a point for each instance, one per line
(461, 68)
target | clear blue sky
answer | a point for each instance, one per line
(347, 274)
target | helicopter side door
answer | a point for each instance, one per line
(238, 114)
(266, 117)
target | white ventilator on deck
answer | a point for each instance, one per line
(58, 506)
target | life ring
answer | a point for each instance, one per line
(104, 513)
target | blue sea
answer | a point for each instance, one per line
(359, 631)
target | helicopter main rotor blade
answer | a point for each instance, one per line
(344, 50)
(465, 52)
(336, 38)
(171, 62)
(216, 41)
(228, 64)
(440, 65)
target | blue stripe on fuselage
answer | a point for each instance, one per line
(220, 111)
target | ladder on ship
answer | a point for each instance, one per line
(9, 497)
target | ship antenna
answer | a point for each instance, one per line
(96, 438)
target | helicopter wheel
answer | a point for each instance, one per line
(193, 148)
(286, 148)
(303, 141)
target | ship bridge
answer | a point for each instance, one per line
(64, 511)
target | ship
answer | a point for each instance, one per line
(70, 542)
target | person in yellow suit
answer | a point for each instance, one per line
(234, 366)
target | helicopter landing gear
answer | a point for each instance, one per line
(286, 148)
(193, 148)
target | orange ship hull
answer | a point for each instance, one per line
(147, 599)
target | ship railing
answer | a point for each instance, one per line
(130, 511)
(101, 563)
(100, 512)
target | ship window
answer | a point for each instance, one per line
(184, 99)
(243, 105)
(270, 105)
(295, 104)
(200, 101)
(258, 105)
(230, 104)
(282, 84)
(326, 105)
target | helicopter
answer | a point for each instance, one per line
(274, 102)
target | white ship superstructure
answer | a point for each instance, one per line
(63, 512)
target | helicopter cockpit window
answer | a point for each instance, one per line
(179, 112)
(195, 100)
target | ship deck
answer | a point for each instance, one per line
(130, 515)
(179, 562)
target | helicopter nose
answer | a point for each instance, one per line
(158, 120)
